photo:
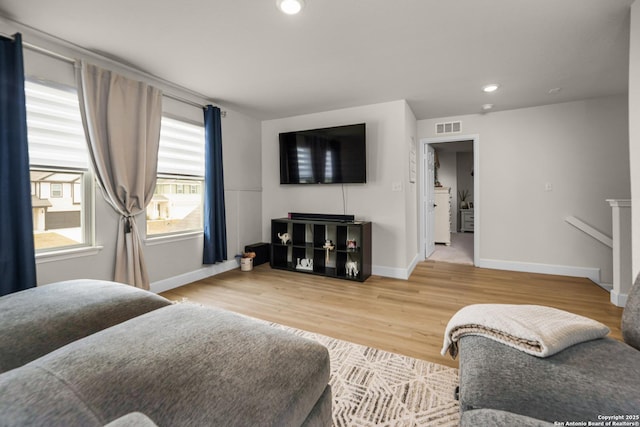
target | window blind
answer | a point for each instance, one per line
(181, 150)
(54, 127)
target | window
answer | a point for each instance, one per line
(58, 156)
(177, 203)
(56, 190)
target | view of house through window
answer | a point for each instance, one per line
(177, 203)
(58, 158)
(176, 206)
(56, 199)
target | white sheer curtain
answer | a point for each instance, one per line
(122, 118)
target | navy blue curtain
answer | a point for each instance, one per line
(215, 229)
(17, 257)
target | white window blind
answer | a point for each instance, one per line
(54, 127)
(181, 150)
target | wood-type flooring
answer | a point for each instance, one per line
(402, 316)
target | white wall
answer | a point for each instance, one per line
(384, 200)
(464, 166)
(634, 132)
(581, 149)
(171, 262)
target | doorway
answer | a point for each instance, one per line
(450, 198)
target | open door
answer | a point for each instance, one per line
(429, 198)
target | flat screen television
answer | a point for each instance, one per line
(335, 155)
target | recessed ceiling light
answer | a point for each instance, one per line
(290, 7)
(554, 90)
(487, 107)
(491, 87)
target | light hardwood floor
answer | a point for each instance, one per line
(402, 316)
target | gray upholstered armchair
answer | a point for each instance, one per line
(500, 385)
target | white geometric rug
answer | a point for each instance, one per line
(372, 387)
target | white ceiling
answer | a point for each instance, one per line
(436, 54)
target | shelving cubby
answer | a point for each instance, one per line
(307, 239)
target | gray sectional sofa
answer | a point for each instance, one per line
(95, 353)
(587, 382)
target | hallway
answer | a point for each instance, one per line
(460, 251)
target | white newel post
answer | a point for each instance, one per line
(622, 269)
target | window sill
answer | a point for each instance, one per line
(63, 254)
(169, 238)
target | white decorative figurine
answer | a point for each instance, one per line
(284, 238)
(352, 268)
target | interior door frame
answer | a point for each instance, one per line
(429, 203)
(422, 226)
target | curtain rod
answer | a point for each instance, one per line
(41, 49)
(74, 61)
(65, 58)
(48, 52)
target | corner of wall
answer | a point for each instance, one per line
(634, 130)
(192, 276)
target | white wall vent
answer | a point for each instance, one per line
(448, 127)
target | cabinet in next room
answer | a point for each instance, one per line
(466, 220)
(442, 215)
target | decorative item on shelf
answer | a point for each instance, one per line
(328, 246)
(304, 264)
(284, 238)
(351, 244)
(246, 262)
(352, 268)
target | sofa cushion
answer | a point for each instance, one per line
(579, 383)
(321, 415)
(631, 316)
(179, 365)
(39, 320)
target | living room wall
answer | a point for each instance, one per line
(177, 260)
(581, 149)
(387, 199)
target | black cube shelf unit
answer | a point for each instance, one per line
(307, 239)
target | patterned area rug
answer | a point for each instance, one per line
(376, 388)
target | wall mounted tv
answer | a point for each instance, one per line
(335, 155)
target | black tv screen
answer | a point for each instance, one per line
(335, 155)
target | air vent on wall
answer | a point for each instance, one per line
(448, 127)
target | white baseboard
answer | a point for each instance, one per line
(394, 272)
(402, 273)
(606, 286)
(412, 266)
(592, 274)
(618, 299)
(192, 276)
